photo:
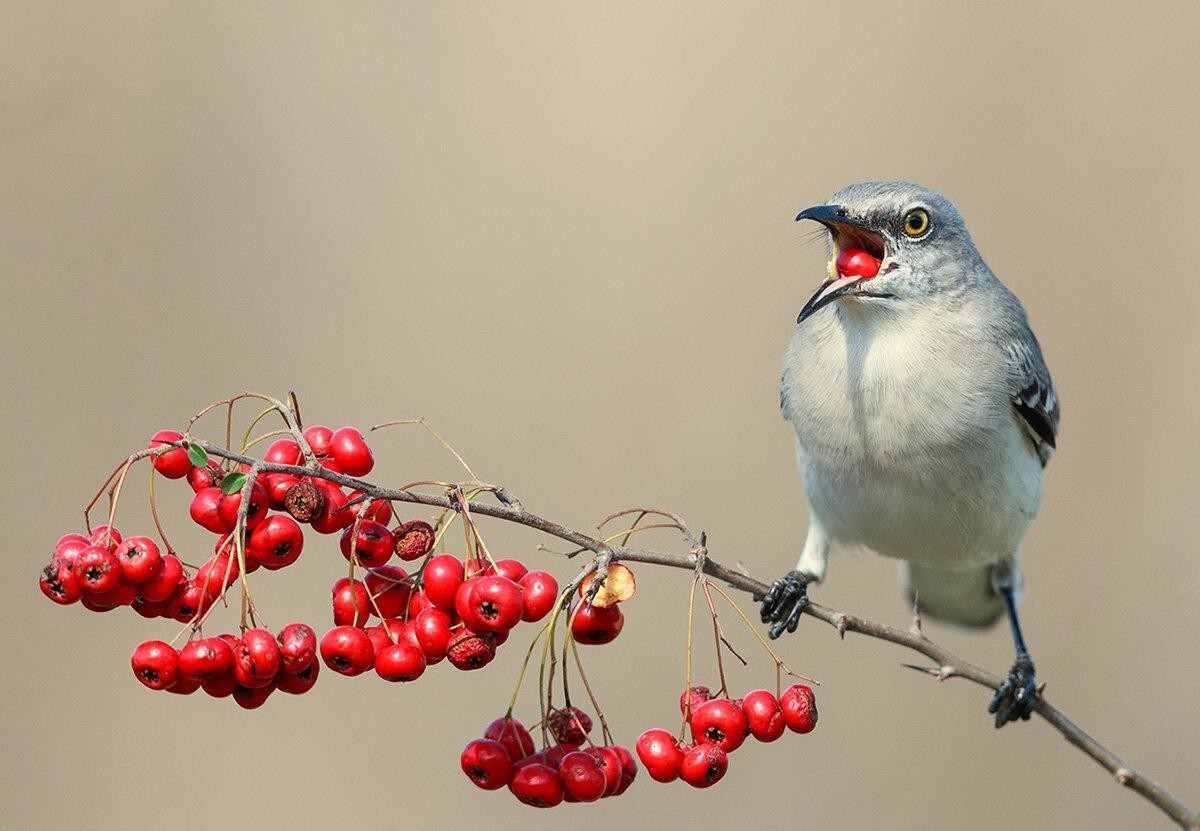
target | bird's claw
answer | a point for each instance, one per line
(784, 602)
(1018, 695)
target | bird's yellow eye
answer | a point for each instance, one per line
(916, 222)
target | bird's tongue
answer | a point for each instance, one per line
(855, 262)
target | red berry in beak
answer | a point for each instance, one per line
(854, 262)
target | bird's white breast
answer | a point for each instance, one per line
(906, 437)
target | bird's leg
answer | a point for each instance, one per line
(1017, 696)
(785, 601)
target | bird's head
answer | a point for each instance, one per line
(890, 243)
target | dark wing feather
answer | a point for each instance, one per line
(1033, 398)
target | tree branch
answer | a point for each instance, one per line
(948, 665)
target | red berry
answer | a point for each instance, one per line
(188, 601)
(163, 584)
(204, 477)
(184, 686)
(332, 518)
(389, 586)
(539, 594)
(471, 650)
(67, 549)
(205, 659)
(251, 698)
(763, 715)
(276, 542)
(123, 595)
(106, 537)
(799, 706)
(660, 753)
(59, 583)
(277, 486)
(140, 559)
(511, 733)
(582, 776)
(413, 540)
(720, 722)
(350, 451)
(174, 464)
(257, 659)
(489, 604)
(351, 603)
(854, 262)
(217, 574)
(155, 664)
(610, 763)
(400, 662)
(537, 785)
(629, 769)
(318, 437)
(441, 578)
(432, 627)
(297, 646)
(231, 503)
(222, 686)
(512, 569)
(703, 765)
(284, 452)
(487, 764)
(691, 698)
(97, 569)
(299, 682)
(204, 510)
(372, 545)
(348, 650)
(379, 510)
(596, 624)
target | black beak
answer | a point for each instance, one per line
(831, 216)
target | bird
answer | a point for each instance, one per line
(924, 416)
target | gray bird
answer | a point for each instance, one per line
(924, 414)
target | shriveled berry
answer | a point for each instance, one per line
(304, 501)
(691, 698)
(799, 706)
(570, 724)
(413, 540)
(471, 650)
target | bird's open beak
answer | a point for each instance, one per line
(843, 229)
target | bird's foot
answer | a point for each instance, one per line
(1018, 694)
(784, 602)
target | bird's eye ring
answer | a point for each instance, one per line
(916, 222)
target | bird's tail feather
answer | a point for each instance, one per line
(966, 597)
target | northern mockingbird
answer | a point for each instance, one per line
(924, 414)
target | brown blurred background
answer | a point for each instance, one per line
(564, 234)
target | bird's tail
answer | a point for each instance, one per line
(965, 597)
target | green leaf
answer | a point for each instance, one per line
(196, 455)
(232, 483)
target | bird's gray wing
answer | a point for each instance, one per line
(1033, 396)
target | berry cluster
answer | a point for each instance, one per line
(563, 772)
(457, 611)
(447, 609)
(719, 726)
(248, 668)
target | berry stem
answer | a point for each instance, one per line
(162, 535)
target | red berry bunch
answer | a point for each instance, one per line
(248, 668)
(449, 610)
(564, 772)
(719, 726)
